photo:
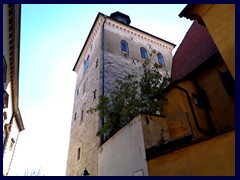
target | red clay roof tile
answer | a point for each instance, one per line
(196, 47)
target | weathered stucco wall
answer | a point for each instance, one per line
(124, 153)
(223, 105)
(198, 160)
(220, 22)
(215, 155)
(85, 126)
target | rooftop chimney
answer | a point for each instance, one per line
(120, 17)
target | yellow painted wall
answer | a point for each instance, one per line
(223, 105)
(198, 160)
(215, 156)
(220, 22)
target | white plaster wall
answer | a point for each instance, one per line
(9, 152)
(124, 153)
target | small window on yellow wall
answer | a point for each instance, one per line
(228, 82)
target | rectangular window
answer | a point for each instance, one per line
(124, 46)
(86, 64)
(228, 82)
(144, 54)
(75, 116)
(82, 115)
(78, 153)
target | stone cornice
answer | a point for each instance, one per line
(127, 29)
(133, 32)
(89, 41)
(14, 45)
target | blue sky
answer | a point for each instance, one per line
(52, 37)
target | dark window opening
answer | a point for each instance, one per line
(82, 115)
(201, 100)
(97, 63)
(78, 154)
(94, 94)
(228, 82)
(197, 100)
(144, 54)
(75, 116)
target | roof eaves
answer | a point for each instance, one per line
(99, 14)
(186, 12)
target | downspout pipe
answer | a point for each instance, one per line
(201, 92)
(103, 68)
(192, 110)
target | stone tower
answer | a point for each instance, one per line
(112, 50)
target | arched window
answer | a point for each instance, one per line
(160, 59)
(124, 46)
(143, 53)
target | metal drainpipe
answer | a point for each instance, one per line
(103, 67)
(192, 110)
(199, 89)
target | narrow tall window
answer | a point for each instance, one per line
(160, 59)
(78, 153)
(86, 64)
(94, 94)
(228, 82)
(124, 46)
(75, 116)
(82, 115)
(97, 63)
(84, 86)
(144, 54)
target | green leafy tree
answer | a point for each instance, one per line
(133, 95)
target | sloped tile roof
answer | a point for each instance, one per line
(196, 47)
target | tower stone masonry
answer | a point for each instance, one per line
(111, 51)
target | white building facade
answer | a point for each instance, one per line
(12, 120)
